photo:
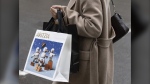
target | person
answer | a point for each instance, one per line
(93, 21)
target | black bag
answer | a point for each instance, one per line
(69, 29)
(119, 26)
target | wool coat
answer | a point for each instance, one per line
(93, 21)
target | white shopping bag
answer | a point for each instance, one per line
(49, 56)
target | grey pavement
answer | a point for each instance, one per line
(33, 12)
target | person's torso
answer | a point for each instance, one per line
(85, 43)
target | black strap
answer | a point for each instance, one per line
(59, 20)
(113, 6)
(49, 24)
(112, 2)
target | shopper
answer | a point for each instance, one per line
(93, 21)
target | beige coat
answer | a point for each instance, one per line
(93, 20)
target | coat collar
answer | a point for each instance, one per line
(71, 3)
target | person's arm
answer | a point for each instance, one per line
(90, 24)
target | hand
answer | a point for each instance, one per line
(54, 9)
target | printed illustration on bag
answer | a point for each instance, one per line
(43, 57)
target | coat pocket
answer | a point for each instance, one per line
(84, 65)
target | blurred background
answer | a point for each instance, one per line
(32, 13)
(9, 45)
(140, 42)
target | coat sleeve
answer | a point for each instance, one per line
(89, 24)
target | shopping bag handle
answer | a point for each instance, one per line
(61, 23)
(51, 23)
(59, 14)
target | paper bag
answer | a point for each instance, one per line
(52, 51)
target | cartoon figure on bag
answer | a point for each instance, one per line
(36, 55)
(51, 54)
(50, 62)
(43, 56)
